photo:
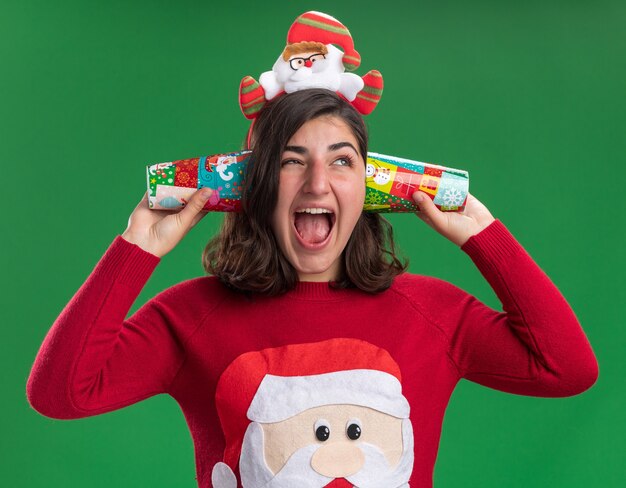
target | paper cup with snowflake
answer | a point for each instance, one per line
(170, 185)
(390, 183)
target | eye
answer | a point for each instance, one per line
(286, 162)
(343, 162)
(353, 429)
(322, 430)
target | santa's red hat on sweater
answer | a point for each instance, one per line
(275, 384)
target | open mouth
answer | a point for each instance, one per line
(314, 225)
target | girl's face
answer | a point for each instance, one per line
(320, 197)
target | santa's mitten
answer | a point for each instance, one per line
(223, 476)
(251, 97)
(367, 99)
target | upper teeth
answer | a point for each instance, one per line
(314, 210)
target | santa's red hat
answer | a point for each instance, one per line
(277, 383)
(319, 27)
(312, 31)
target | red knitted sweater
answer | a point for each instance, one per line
(94, 359)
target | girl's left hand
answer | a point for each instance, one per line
(458, 227)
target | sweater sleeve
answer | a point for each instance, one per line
(536, 345)
(92, 360)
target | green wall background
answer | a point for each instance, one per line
(527, 96)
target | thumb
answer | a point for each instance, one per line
(195, 205)
(428, 210)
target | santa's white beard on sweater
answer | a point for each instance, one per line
(297, 471)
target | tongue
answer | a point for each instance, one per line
(312, 228)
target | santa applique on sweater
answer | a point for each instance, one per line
(325, 414)
(311, 59)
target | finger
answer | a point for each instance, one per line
(428, 208)
(424, 218)
(194, 206)
(199, 216)
(470, 201)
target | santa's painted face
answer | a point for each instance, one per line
(310, 70)
(330, 445)
(320, 197)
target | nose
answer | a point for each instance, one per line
(338, 460)
(317, 181)
(308, 63)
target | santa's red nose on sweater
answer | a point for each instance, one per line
(339, 483)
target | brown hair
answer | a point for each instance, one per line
(245, 256)
(303, 47)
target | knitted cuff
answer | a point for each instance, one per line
(127, 263)
(492, 245)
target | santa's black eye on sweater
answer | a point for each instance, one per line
(353, 430)
(322, 433)
(322, 430)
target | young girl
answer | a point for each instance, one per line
(309, 358)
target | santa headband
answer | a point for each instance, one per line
(277, 383)
(311, 59)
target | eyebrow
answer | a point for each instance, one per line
(333, 147)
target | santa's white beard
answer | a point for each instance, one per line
(325, 73)
(306, 78)
(297, 471)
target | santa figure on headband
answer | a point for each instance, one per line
(312, 416)
(312, 59)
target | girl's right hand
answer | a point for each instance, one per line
(159, 231)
